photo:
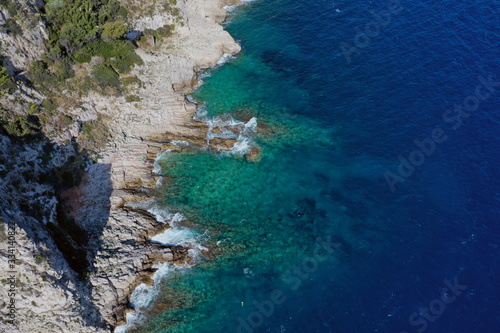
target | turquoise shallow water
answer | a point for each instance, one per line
(328, 131)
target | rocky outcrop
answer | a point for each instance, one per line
(125, 261)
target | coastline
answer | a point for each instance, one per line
(164, 114)
(51, 296)
(121, 212)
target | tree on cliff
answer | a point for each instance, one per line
(6, 81)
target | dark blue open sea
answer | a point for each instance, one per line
(375, 206)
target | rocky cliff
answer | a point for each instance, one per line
(96, 215)
(25, 42)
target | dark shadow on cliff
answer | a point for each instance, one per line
(27, 162)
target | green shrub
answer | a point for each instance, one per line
(7, 84)
(63, 70)
(81, 57)
(23, 126)
(176, 12)
(11, 7)
(43, 79)
(105, 76)
(13, 28)
(55, 54)
(4, 77)
(160, 32)
(32, 108)
(75, 23)
(87, 128)
(127, 81)
(39, 258)
(65, 120)
(78, 31)
(111, 10)
(114, 29)
(111, 49)
(73, 36)
(120, 53)
(71, 23)
(168, 5)
(132, 98)
(124, 64)
(49, 106)
(75, 28)
(38, 73)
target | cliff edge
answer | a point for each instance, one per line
(58, 284)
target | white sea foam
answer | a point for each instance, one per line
(244, 138)
(231, 8)
(201, 76)
(176, 236)
(156, 164)
(252, 124)
(185, 237)
(225, 58)
(143, 295)
(207, 73)
(242, 146)
(248, 272)
(230, 128)
(180, 143)
(163, 215)
(201, 113)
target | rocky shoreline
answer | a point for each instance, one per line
(122, 255)
(163, 115)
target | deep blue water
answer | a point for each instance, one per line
(397, 247)
(444, 220)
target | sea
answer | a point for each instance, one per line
(371, 201)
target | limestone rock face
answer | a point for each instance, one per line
(48, 294)
(46, 291)
(200, 39)
(121, 262)
(19, 50)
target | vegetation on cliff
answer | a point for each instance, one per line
(6, 82)
(73, 24)
(78, 31)
(11, 7)
(87, 50)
